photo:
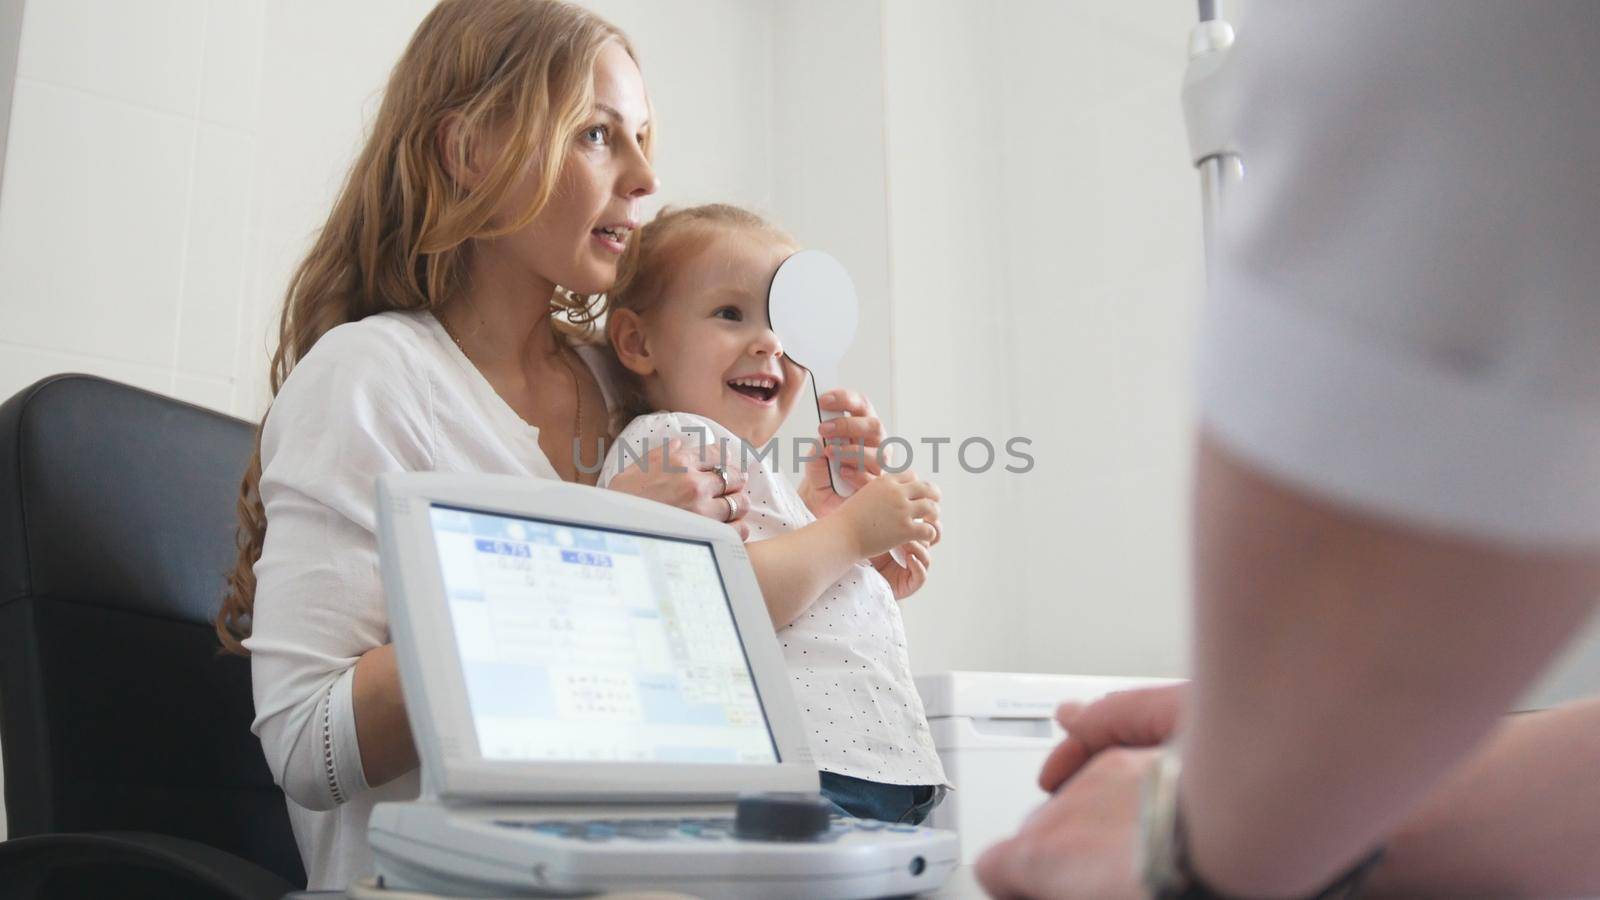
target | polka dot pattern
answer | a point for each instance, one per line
(847, 654)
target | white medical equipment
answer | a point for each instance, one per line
(593, 681)
(993, 731)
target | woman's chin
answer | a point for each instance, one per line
(591, 285)
(594, 276)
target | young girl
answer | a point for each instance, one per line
(688, 323)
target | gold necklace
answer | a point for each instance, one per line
(577, 387)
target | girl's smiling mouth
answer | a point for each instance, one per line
(762, 389)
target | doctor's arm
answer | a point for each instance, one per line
(1520, 818)
(1344, 666)
(1517, 819)
(1372, 654)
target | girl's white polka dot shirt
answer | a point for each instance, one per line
(847, 653)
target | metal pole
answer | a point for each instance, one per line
(1209, 43)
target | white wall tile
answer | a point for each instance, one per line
(1149, 203)
(828, 167)
(708, 67)
(1065, 57)
(212, 393)
(1045, 245)
(230, 82)
(21, 366)
(146, 52)
(947, 285)
(1156, 26)
(215, 262)
(1104, 373)
(91, 224)
(324, 68)
(274, 259)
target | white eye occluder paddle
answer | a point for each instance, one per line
(813, 309)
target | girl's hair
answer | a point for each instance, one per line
(401, 232)
(655, 253)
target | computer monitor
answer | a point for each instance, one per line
(561, 642)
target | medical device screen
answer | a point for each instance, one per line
(590, 644)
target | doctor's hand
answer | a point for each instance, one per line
(1082, 842)
(1146, 717)
(905, 581)
(677, 476)
(854, 438)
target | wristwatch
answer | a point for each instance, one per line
(1164, 862)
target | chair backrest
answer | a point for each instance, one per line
(116, 710)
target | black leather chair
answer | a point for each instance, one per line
(130, 769)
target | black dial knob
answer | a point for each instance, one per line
(781, 816)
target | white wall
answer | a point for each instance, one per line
(1045, 256)
(949, 307)
(1104, 297)
(829, 171)
(127, 191)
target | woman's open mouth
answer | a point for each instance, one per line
(761, 389)
(613, 237)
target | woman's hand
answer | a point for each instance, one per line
(854, 439)
(905, 581)
(1144, 717)
(890, 510)
(677, 477)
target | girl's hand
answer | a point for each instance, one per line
(903, 581)
(679, 477)
(859, 434)
(890, 510)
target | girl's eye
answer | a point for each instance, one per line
(597, 134)
(731, 313)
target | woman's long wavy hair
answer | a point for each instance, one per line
(402, 229)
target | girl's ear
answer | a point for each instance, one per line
(628, 339)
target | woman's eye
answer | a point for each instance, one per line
(596, 134)
(731, 313)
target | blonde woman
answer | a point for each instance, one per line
(438, 323)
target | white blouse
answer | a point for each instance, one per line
(389, 393)
(847, 652)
